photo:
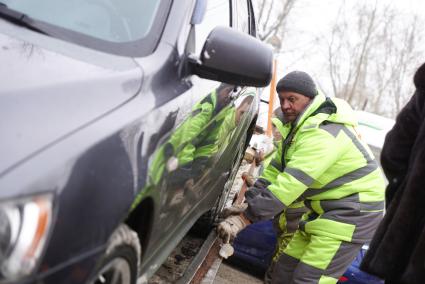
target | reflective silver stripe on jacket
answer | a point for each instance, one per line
(349, 210)
(300, 176)
(372, 206)
(349, 203)
(277, 165)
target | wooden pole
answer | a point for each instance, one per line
(271, 100)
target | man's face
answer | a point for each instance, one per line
(292, 104)
(224, 96)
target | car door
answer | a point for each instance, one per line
(185, 167)
(196, 148)
(182, 164)
(239, 124)
(220, 142)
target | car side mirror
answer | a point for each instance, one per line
(233, 57)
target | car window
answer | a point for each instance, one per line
(128, 27)
(110, 20)
(252, 24)
(217, 14)
(241, 19)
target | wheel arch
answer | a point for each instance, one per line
(140, 220)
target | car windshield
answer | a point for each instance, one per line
(110, 20)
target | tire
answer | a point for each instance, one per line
(121, 262)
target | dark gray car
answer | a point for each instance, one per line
(121, 125)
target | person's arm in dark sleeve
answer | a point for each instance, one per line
(262, 204)
(398, 144)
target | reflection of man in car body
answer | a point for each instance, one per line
(323, 162)
(188, 147)
(233, 117)
(198, 138)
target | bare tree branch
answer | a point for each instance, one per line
(272, 20)
(363, 54)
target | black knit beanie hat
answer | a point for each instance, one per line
(297, 82)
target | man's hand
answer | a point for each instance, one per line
(248, 178)
(233, 210)
(229, 228)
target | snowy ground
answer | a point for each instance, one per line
(230, 275)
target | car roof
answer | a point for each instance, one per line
(373, 128)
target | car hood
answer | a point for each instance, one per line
(48, 93)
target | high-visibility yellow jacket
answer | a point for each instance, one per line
(322, 161)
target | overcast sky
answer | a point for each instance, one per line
(313, 18)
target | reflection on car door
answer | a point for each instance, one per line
(195, 157)
(220, 136)
(182, 163)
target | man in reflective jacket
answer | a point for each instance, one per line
(323, 162)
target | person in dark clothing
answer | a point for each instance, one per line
(397, 251)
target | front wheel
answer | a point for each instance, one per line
(120, 264)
